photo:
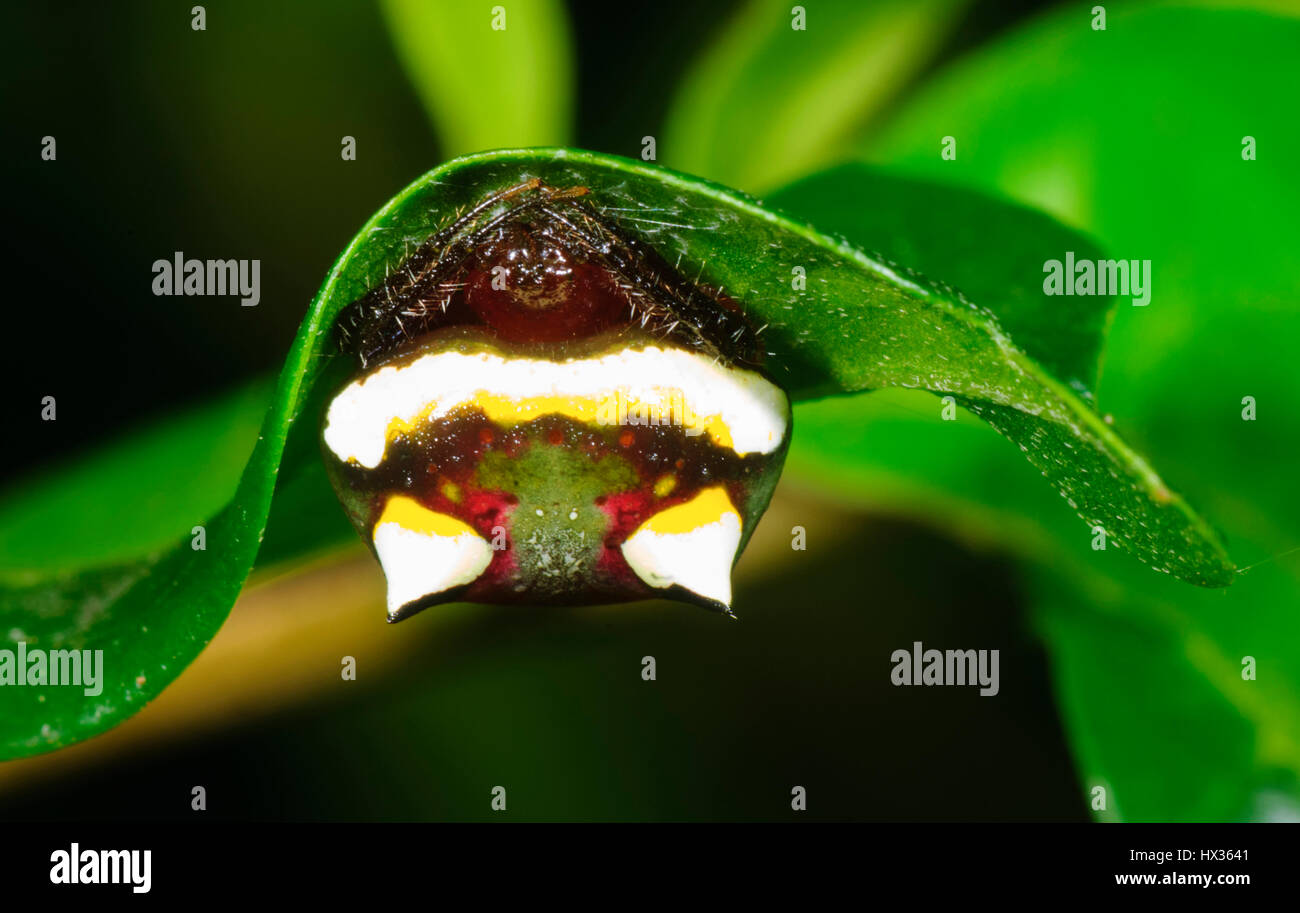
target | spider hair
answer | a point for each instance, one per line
(414, 298)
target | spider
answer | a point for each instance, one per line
(549, 413)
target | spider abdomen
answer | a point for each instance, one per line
(546, 413)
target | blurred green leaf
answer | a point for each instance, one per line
(1149, 673)
(767, 101)
(490, 76)
(134, 496)
(859, 324)
(152, 616)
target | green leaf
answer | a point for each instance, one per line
(767, 101)
(1103, 480)
(992, 250)
(859, 324)
(1149, 674)
(488, 78)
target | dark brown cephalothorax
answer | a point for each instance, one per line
(547, 412)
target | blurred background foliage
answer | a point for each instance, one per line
(225, 143)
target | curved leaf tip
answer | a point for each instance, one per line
(835, 319)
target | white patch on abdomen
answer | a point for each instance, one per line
(692, 545)
(418, 564)
(739, 409)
